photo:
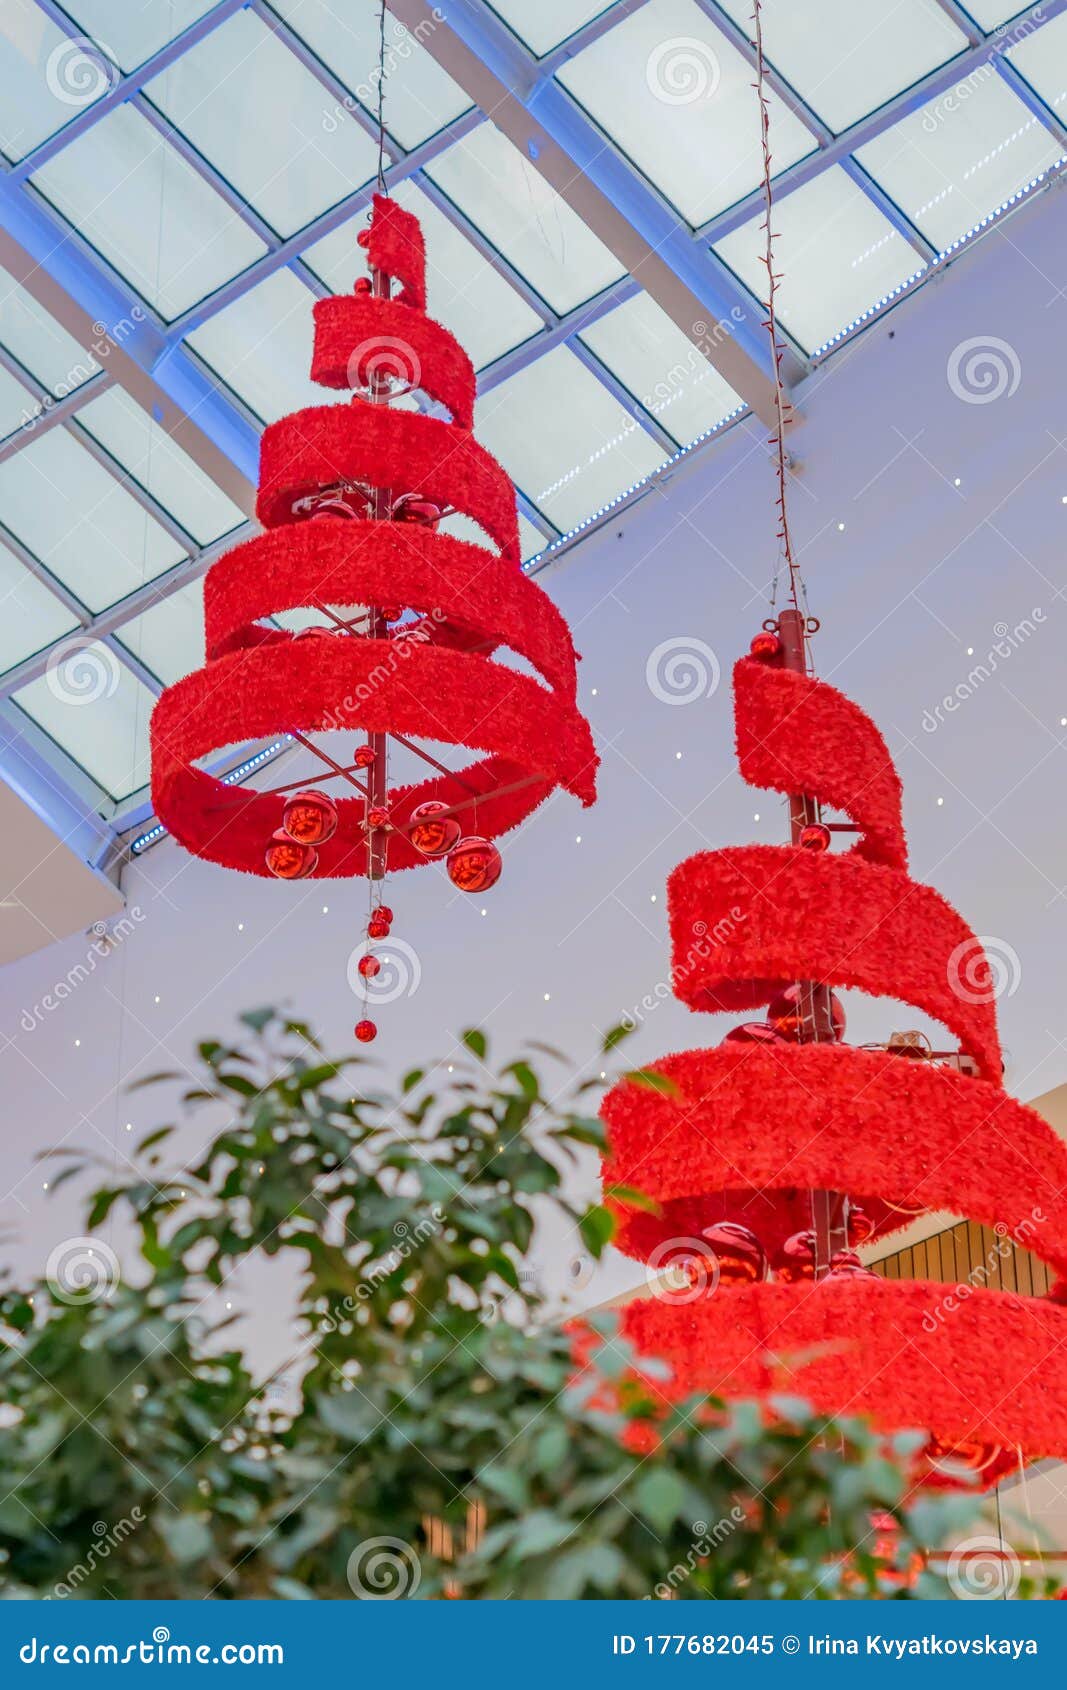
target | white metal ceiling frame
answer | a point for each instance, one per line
(534, 76)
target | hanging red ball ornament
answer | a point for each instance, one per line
(412, 508)
(741, 1257)
(377, 929)
(753, 1033)
(377, 817)
(815, 837)
(432, 832)
(310, 817)
(369, 966)
(766, 645)
(860, 1225)
(789, 1015)
(392, 612)
(383, 913)
(363, 285)
(796, 1259)
(366, 1031)
(365, 756)
(287, 859)
(363, 238)
(474, 864)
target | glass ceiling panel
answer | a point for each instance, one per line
(84, 527)
(261, 346)
(108, 734)
(990, 13)
(516, 209)
(845, 62)
(132, 30)
(17, 404)
(838, 256)
(1042, 58)
(960, 157)
(247, 103)
(150, 454)
(39, 343)
(138, 202)
(169, 637)
(677, 97)
(420, 98)
(543, 24)
(661, 367)
(464, 292)
(30, 616)
(45, 78)
(563, 438)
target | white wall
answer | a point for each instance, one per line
(922, 569)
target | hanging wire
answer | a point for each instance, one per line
(382, 188)
(783, 409)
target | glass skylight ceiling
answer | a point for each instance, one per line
(208, 202)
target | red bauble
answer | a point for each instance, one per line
(412, 508)
(474, 864)
(365, 756)
(815, 837)
(431, 832)
(377, 817)
(366, 1031)
(377, 929)
(392, 612)
(786, 1015)
(383, 913)
(310, 817)
(741, 1257)
(766, 645)
(369, 966)
(796, 1259)
(753, 1033)
(363, 238)
(363, 285)
(860, 1224)
(287, 859)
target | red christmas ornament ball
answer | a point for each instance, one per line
(365, 756)
(815, 837)
(366, 1031)
(766, 645)
(796, 1259)
(363, 284)
(363, 238)
(310, 817)
(287, 859)
(369, 966)
(392, 612)
(377, 929)
(383, 913)
(412, 508)
(474, 864)
(860, 1224)
(753, 1033)
(786, 1014)
(377, 817)
(431, 832)
(741, 1257)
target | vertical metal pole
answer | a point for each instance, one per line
(377, 627)
(816, 1027)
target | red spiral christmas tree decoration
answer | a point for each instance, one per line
(769, 1156)
(350, 500)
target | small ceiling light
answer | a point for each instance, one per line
(970, 651)
(840, 528)
(547, 996)
(957, 482)
(941, 800)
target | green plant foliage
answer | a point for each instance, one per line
(438, 1404)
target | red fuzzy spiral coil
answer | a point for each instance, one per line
(746, 1131)
(434, 679)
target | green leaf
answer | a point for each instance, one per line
(540, 1531)
(156, 1137)
(616, 1035)
(651, 1080)
(187, 1537)
(658, 1495)
(597, 1227)
(635, 1199)
(475, 1040)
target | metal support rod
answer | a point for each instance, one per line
(377, 629)
(829, 1221)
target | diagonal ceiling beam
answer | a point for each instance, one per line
(539, 118)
